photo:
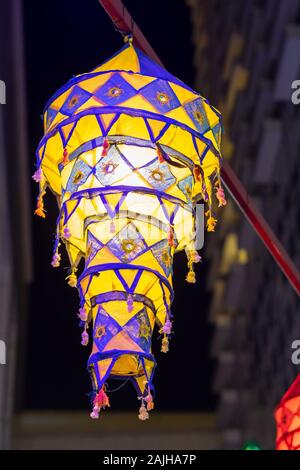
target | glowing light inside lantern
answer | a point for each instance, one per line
(128, 150)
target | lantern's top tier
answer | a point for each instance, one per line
(130, 96)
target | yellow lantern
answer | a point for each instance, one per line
(128, 150)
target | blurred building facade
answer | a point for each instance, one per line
(73, 430)
(15, 245)
(247, 56)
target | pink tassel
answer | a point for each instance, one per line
(56, 260)
(38, 175)
(105, 148)
(66, 233)
(101, 401)
(82, 314)
(84, 338)
(143, 413)
(195, 257)
(95, 413)
(150, 402)
(167, 327)
(221, 196)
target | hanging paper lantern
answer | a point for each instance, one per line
(287, 416)
(128, 150)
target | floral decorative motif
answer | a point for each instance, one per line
(77, 177)
(199, 117)
(114, 92)
(128, 245)
(144, 331)
(73, 101)
(100, 331)
(109, 167)
(166, 258)
(162, 97)
(157, 175)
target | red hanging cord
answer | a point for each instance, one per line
(124, 23)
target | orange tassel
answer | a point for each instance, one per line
(160, 155)
(143, 413)
(150, 405)
(65, 159)
(197, 173)
(211, 223)
(191, 277)
(72, 278)
(105, 148)
(165, 344)
(150, 402)
(40, 211)
(170, 237)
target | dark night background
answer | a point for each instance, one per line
(64, 38)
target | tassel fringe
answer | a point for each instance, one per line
(38, 175)
(221, 196)
(82, 314)
(105, 148)
(101, 401)
(160, 155)
(170, 236)
(72, 278)
(165, 344)
(65, 159)
(40, 211)
(56, 260)
(84, 337)
(211, 224)
(66, 233)
(191, 277)
(166, 329)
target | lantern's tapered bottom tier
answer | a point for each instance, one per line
(127, 289)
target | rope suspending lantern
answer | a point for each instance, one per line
(117, 12)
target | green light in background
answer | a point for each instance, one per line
(250, 445)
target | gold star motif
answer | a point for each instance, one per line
(100, 332)
(144, 331)
(163, 97)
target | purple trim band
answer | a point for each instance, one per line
(112, 266)
(116, 353)
(116, 139)
(131, 112)
(90, 193)
(120, 295)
